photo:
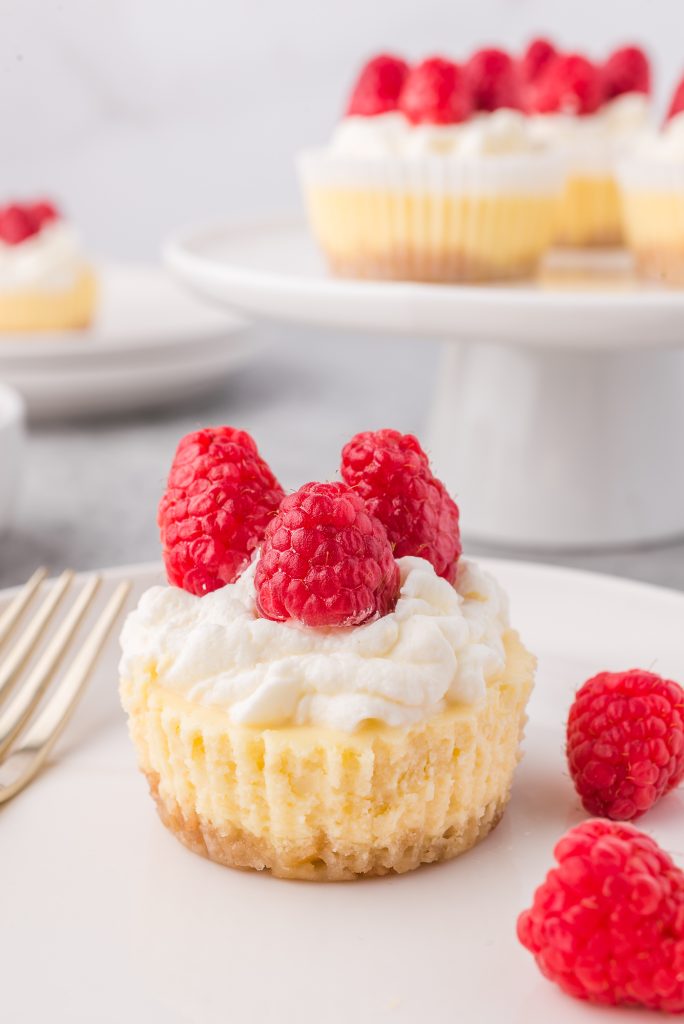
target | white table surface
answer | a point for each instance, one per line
(90, 490)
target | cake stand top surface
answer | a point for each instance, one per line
(589, 300)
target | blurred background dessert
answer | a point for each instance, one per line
(652, 182)
(45, 282)
(434, 175)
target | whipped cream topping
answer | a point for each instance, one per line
(667, 145)
(439, 646)
(503, 132)
(50, 259)
(596, 139)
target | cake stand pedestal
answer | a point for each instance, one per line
(558, 418)
(561, 449)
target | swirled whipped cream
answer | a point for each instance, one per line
(438, 647)
(50, 259)
(502, 132)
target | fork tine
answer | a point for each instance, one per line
(14, 661)
(13, 611)
(21, 708)
(23, 763)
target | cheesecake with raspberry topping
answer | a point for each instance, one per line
(433, 175)
(340, 693)
(652, 190)
(45, 282)
(593, 112)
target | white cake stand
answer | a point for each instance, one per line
(558, 417)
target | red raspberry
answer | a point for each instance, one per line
(378, 86)
(677, 103)
(220, 497)
(436, 93)
(325, 560)
(607, 924)
(535, 59)
(42, 212)
(625, 742)
(16, 224)
(626, 70)
(494, 80)
(392, 473)
(571, 84)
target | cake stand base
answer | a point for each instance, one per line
(559, 448)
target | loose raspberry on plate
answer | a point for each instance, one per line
(677, 102)
(607, 924)
(571, 84)
(626, 70)
(325, 560)
(625, 742)
(436, 92)
(535, 59)
(220, 497)
(392, 473)
(378, 86)
(494, 80)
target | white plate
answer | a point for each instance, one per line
(276, 271)
(106, 917)
(150, 344)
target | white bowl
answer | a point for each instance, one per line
(12, 441)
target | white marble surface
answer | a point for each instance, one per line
(90, 490)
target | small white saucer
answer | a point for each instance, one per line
(150, 344)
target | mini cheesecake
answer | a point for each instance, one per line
(45, 282)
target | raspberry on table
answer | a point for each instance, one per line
(607, 924)
(436, 92)
(494, 80)
(625, 742)
(626, 70)
(392, 473)
(378, 87)
(325, 560)
(220, 497)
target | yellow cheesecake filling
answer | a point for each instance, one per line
(315, 803)
(589, 212)
(431, 236)
(64, 308)
(328, 754)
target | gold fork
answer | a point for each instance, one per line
(24, 745)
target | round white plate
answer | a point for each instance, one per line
(276, 271)
(150, 344)
(106, 917)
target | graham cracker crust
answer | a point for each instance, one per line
(320, 861)
(454, 268)
(666, 265)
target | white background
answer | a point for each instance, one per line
(142, 114)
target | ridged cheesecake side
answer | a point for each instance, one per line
(312, 803)
(436, 237)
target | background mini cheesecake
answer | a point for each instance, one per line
(45, 281)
